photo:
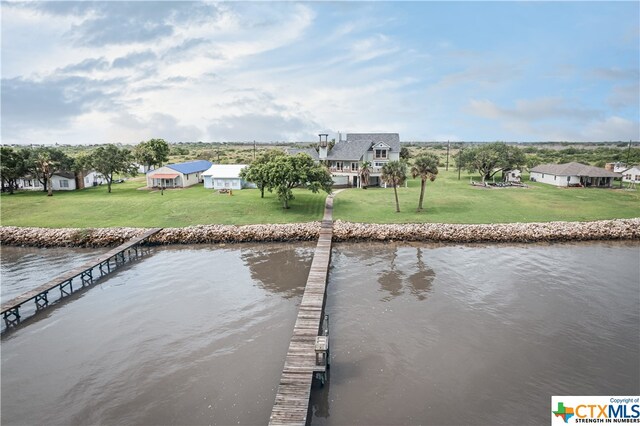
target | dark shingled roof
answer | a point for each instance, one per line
(391, 139)
(573, 169)
(310, 151)
(358, 143)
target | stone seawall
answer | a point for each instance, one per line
(618, 229)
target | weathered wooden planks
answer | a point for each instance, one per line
(292, 400)
(25, 297)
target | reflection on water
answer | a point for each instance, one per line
(402, 269)
(187, 335)
(272, 268)
(420, 334)
(477, 334)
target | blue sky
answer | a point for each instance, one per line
(107, 72)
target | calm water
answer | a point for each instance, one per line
(454, 335)
(420, 334)
(188, 335)
(23, 268)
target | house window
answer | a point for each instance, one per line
(338, 165)
(555, 178)
(380, 154)
(543, 176)
(637, 177)
(226, 183)
(354, 167)
(378, 164)
(64, 183)
(627, 176)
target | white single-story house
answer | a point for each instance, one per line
(142, 168)
(89, 179)
(225, 176)
(573, 174)
(60, 181)
(631, 174)
(64, 181)
(617, 167)
(514, 175)
(180, 175)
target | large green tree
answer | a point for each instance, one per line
(394, 173)
(109, 160)
(425, 166)
(13, 165)
(291, 171)
(258, 172)
(154, 152)
(44, 162)
(491, 158)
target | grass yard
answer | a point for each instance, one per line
(446, 200)
(450, 200)
(129, 206)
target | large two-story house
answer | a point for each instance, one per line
(345, 158)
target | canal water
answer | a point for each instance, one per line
(420, 334)
(189, 335)
(478, 334)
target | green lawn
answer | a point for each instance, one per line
(447, 200)
(450, 200)
(129, 206)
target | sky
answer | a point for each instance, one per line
(123, 72)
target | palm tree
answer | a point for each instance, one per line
(394, 173)
(365, 172)
(425, 166)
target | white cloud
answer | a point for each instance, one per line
(553, 119)
(612, 129)
(624, 96)
(548, 108)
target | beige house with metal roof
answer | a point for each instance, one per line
(573, 174)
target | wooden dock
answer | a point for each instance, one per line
(292, 400)
(10, 310)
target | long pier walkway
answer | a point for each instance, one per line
(292, 400)
(10, 310)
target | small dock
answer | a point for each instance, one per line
(83, 276)
(292, 400)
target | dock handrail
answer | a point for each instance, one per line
(10, 310)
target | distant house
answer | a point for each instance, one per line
(60, 181)
(88, 179)
(617, 167)
(179, 175)
(346, 157)
(225, 176)
(513, 176)
(573, 174)
(631, 174)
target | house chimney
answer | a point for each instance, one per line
(323, 146)
(339, 137)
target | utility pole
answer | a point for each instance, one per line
(628, 153)
(459, 161)
(448, 144)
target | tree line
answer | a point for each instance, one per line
(41, 163)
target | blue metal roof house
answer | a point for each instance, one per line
(179, 175)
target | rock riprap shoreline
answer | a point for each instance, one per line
(617, 229)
